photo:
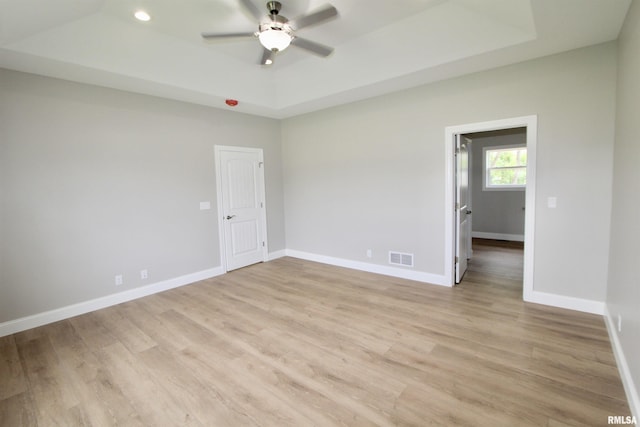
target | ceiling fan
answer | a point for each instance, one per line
(276, 32)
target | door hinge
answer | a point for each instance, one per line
(263, 244)
(457, 206)
(457, 259)
(260, 164)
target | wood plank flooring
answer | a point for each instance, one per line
(296, 343)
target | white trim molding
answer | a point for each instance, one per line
(630, 388)
(24, 323)
(419, 276)
(276, 255)
(562, 301)
(554, 300)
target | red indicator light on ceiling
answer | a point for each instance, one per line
(231, 102)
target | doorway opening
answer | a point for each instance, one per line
(497, 192)
(458, 212)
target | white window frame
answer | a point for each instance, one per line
(485, 171)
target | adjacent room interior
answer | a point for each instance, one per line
(200, 228)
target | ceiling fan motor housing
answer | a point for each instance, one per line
(277, 21)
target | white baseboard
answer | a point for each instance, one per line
(571, 303)
(277, 254)
(24, 323)
(498, 236)
(630, 388)
(419, 276)
(560, 301)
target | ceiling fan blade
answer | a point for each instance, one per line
(327, 12)
(252, 9)
(317, 48)
(267, 57)
(211, 36)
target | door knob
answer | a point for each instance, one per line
(230, 216)
(468, 212)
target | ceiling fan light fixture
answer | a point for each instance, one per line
(275, 39)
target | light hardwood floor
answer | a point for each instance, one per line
(296, 343)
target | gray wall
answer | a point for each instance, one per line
(497, 212)
(372, 175)
(623, 292)
(98, 182)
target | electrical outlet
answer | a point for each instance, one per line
(619, 323)
(144, 274)
(119, 280)
(369, 253)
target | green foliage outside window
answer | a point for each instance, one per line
(506, 167)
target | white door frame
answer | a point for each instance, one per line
(531, 125)
(263, 214)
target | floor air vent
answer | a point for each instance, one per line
(398, 258)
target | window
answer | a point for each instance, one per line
(505, 168)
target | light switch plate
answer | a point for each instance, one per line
(552, 202)
(205, 206)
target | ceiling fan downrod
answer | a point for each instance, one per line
(274, 7)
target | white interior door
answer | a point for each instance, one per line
(463, 211)
(243, 214)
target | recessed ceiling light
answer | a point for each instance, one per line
(141, 15)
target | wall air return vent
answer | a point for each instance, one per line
(399, 258)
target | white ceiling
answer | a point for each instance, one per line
(380, 46)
